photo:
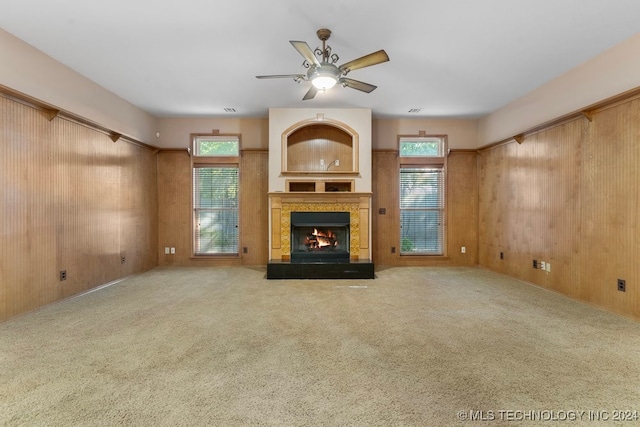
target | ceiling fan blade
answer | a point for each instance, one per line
(282, 76)
(356, 84)
(365, 61)
(310, 93)
(306, 52)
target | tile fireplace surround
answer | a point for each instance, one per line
(282, 204)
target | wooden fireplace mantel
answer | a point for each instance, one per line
(283, 203)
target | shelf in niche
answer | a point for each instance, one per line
(321, 186)
(302, 187)
(339, 187)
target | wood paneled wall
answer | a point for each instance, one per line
(568, 195)
(174, 207)
(71, 199)
(174, 210)
(461, 195)
(254, 201)
(385, 227)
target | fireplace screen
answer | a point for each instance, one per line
(320, 236)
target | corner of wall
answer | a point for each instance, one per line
(30, 72)
(611, 73)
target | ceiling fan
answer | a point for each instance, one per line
(324, 74)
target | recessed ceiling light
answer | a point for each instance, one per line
(230, 110)
(415, 110)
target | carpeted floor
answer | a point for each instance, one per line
(226, 347)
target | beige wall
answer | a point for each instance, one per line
(609, 74)
(462, 133)
(39, 76)
(175, 132)
(28, 71)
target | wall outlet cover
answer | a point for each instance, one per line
(622, 285)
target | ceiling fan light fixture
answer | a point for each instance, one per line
(322, 73)
(325, 76)
(324, 82)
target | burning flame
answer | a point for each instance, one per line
(324, 239)
(321, 239)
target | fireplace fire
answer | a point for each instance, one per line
(320, 236)
(319, 240)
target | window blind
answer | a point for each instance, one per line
(215, 205)
(421, 211)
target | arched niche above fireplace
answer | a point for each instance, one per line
(320, 147)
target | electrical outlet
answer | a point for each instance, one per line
(337, 162)
(543, 265)
(321, 162)
(622, 285)
(173, 251)
(548, 267)
(63, 275)
(167, 251)
(463, 249)
(245, 250)
(501, 255)
(535, 263)
(123, 259)
(393, 249)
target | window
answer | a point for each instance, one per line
(214, 145)
(216, 183)
(421, 211)
(422, 171)
(421, 147)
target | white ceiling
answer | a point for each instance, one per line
(451, 58)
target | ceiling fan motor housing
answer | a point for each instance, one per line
(323, 34)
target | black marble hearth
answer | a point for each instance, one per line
(298, 257)
(345, 269)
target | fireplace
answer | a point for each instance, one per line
(320, 194)
(320, 237)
